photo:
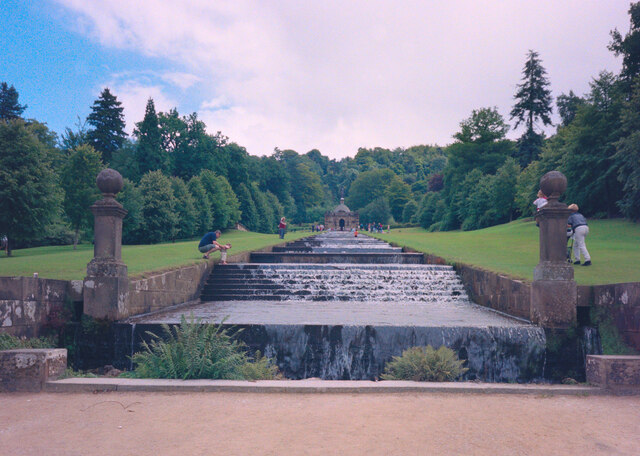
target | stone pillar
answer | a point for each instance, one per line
(106, 286)
(553, 292)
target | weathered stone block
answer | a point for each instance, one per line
(553, 303)
(106, 297)
(10, 288)
(30, 369)
(6, 312)
(618, 373)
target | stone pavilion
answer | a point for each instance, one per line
(341, 218)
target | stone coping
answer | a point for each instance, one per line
(314, 386)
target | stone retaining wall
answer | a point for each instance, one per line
(30, 369)
(617, 373)
(622, 304)
(26, 303)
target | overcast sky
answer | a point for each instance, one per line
(300, 74)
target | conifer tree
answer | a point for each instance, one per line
(9, 106)
(149, 152)
(107, 120)
(533, 104)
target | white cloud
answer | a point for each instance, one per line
(338, 75)
(182, 80)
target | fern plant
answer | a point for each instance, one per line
(425, 364)
(194, 350)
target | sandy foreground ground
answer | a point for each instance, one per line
(161, 424)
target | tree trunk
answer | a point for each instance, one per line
(75, 238)
(8, 247)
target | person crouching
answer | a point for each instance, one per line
(209, 243)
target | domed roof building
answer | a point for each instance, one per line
(341, 218)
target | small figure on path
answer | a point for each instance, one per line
(578, 224)
(209, 244)
(282, 227)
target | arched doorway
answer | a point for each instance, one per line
(341, 224)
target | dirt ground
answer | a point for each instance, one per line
(161, 424)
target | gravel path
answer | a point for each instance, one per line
(324, 424)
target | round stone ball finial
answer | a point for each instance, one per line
(553, 184)
(109, 181)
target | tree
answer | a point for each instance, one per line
(484, 125)
(158, 208)
(533, 98)
(533, 104)
(29, 194)
(107, 120)
(9, 106)
(628, 157)
(410, 209)
(264, 210)
(628, 46)
(377, 211)
(398, 193)
(202, 204)
(568, 106)
(185, 209)
(249, 217)
(369, 186)
(150, 155)
(131, 199)
(78, 180)
(225, 208)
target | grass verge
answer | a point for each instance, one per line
(62, 262)
(513, 249)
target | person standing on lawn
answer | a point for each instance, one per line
(282, 227)
(578, 224)
(209, 243)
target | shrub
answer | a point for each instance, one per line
(9, 342)
(424, 364)
(194, 350)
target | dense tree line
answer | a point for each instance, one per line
(181, 181)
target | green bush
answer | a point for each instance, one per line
(9, 342)
(424, 364)
(194, 350)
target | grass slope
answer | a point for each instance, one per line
(513, 249)
(62, 262)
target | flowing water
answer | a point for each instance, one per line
(345, 320)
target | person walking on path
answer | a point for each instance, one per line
(578, 224)
(209, 243)
(282, 227)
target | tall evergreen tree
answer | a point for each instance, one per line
(628, 47)
(149, 152)
(9, 106)
(533, 104)
(107, 120)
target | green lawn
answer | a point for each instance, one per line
(62, 262)
(513, 249)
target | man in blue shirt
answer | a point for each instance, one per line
(209, 244)
(578, 224)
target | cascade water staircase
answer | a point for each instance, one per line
(339, 307)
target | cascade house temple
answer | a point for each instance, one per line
(341, 218)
